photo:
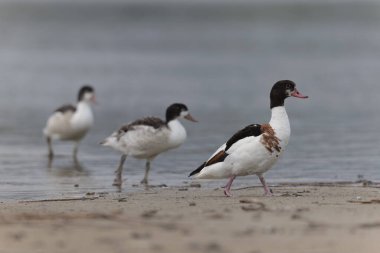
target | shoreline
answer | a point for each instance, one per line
(202, 184)
(303, 218)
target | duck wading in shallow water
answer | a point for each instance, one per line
(255, 148)
(71, 123)
(148, 137)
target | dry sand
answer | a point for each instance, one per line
(302, 218)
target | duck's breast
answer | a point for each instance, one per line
(177, 135)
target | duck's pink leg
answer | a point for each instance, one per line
(227, 189)
(266, 188)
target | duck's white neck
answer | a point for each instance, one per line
(177, 134)
(83, 117)
(280, 123)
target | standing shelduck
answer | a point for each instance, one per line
(255, 148)
(71, 123)
(148, 137)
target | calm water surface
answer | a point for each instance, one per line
(220, 60)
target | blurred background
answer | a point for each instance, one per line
(218, 57)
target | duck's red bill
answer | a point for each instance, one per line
(94, 100)
(297, 94)
(189, 117)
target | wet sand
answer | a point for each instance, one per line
(299, 218)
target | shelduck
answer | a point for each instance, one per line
(255, 148)
(148, 137)
(71, 123)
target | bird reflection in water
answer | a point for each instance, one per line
(75, 168)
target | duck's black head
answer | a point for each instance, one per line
(86, 93)
(282, 90)
(178, 110)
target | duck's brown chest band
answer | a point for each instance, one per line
(269, 138)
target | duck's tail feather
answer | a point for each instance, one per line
(197, 170)
(109, 141)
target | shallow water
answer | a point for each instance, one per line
(220, 60)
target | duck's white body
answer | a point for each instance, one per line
(70, 125)
(146, 142)
(249, 156)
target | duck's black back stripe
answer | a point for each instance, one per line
(66, 108)
(251, 130)
(148, 121)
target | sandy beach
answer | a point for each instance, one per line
(299, 218)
